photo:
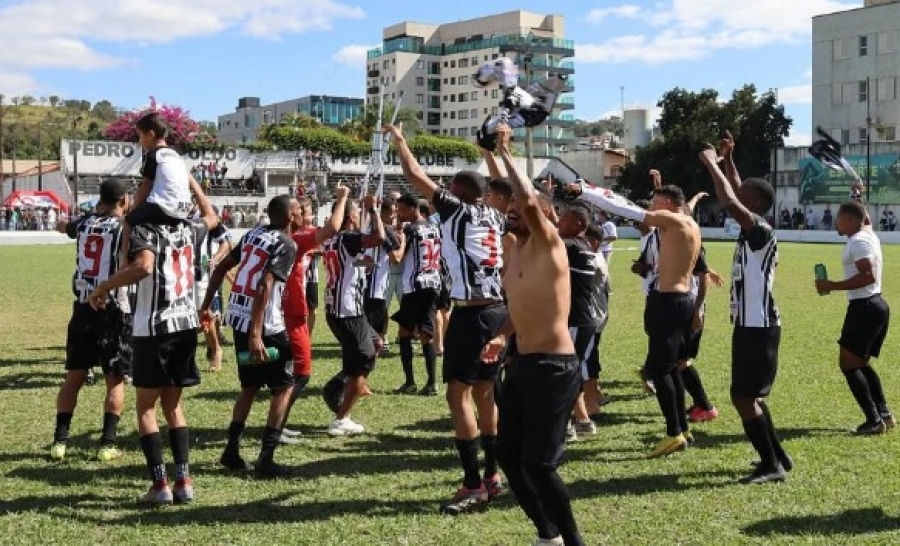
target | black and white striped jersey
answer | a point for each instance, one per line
(585, 308)
(262, 249)
(753, 277)
(345, 278)
(422, 257)
(165, 301)
(98, 239)
(471, 237)
(650, 255)
(312, 269)
(377, 277)
(204, 251)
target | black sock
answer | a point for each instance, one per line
(468, 456)
(63, 422)
(666, 396)
(270, 439)
(861, 392)
(406, 358)
(679, 401)
(876, 389)
(489, 445)
(235, 430)
(179, 443)
(773, 435)
(694, 387)
(110, 424)
(757, 430)
(430, 354)
(151, 444)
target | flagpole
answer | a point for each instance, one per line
(868, 139)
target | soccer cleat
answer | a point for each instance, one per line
(571, 433)
(183, 492)
(700, 415)
(586, 428)
(466, 500)
(270, 469)
(159, 494)
(786, 463)
(555, 541)
(762, 475)
(870, 428)
(429, 390)
(91, 378)
(688, 438)
(286, 440)
(667, 446)
(109, 453)
(292, 433)
(406, 388)
(345, 427)
(647, 386)
(889, 421)
(233, 461)
(58, 451)
(493, 485)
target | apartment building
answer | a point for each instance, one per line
(856, 73)
(431, 66)
(243, 124)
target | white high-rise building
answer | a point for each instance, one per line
(856, 73)
(432, 66)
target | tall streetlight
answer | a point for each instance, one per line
(2, 113)
(74, 148)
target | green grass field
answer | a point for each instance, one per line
(385, 487)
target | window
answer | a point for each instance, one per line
(452, 115)
(485, 93)
(863, 134)
(394, 60)
(887, 89)
(863, 91)
(840, 50)
(475, 60)
(473, 131)
(452, 81)
(863, 46)
(446, 64)
(420, 65)
(462, 97)
(434, 68)
(494, 111)
(420, 81)
(887, 42)
(446, 81)
(474, 95)
(495, 56)
(494, 94)
(420, 115)
(463, 114)
(452, 132)
(434, 118)
(485, 111)
(463, 80)
(464, 63)
(837, 93)
(889, 133)
(445, 115)
(385, 65)
(420, 98)
(393, 79)
(434, 102)
(452, 98)
(463, 132)
(452, 64)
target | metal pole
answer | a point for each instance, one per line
(868, 139)
(40, 157)
(75, 162)
(529, 131)
(2, 185)
(15, 173)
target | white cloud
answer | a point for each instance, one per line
(627, 11)
(353, 55)
(684, 30)
(41, 34)
(798, 138)
(795, 94)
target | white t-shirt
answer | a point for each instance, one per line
(609, 231)
(171, 189)
(863, 244)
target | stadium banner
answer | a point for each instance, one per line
(819, 184)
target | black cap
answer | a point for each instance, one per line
(408, 199)
(112, 190)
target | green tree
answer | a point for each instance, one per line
(105, 111)
(362, 127)
(690, 120)
(613, 124)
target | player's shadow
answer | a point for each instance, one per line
(861, 521)
(55, 348)
(30, 380)
(64, 474)
(372, 464)
(326, 352)
(38, 361)
(652, 483)
(52, 503)
(397, 443)
(441, 425)
(714, 440)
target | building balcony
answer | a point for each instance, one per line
(373, 73)
(547, 135)
(565, 103)
(563, 120)
(373, 90)
(556, 67)
(513, 42)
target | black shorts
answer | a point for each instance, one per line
(667, 322)
(151, 213)
(376, 314)
(99, 338)
(865, 326)
(469, 330)
(276, 375)
(754, 361)
(691, 347)
(583, 338)
(356, 338)
(535, 403)
(592, 364)
(443, 301)
(166, 360)
(417, 311)
(312, 296)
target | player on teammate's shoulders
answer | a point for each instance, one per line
(96, 337)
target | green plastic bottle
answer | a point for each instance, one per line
(243, 357)
(821, 275)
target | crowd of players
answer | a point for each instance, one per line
(525, 278)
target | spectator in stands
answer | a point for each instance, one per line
(250, 218)
(811, 219)
(892, 221)
(50, 223)
(827, 219)
(223, 171)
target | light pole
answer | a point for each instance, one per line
(529, 131)
(2, 113)
(868, 139)
(74, 148)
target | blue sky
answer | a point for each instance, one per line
(204, 54)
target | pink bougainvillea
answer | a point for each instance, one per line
(183, 129)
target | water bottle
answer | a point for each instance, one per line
(204, 263)
(821, 275)
(243, 357)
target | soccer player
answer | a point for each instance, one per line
(594, 398)
(669, 309)
(96, 337)
(264, 258)
(382, 259)
(421, 249)
(701, 410)
(208, 253)
(307, 238)
(344, 309)
(164, 339)
(867, 319)
(544, 378)
(471, 245)
(757, 322)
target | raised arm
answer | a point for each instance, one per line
(207, 212)
(691, 205)
(725, 191)
(527, 202)
(494, 169)
(376, 237)
(413, 172)
(333, 225)
(726, 150)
